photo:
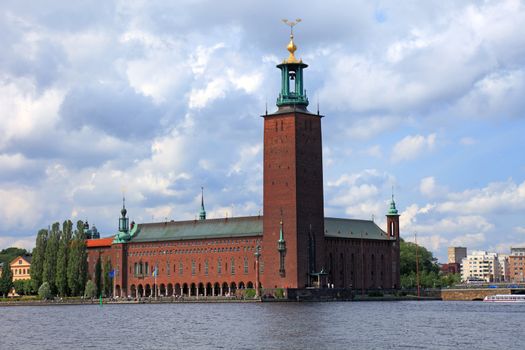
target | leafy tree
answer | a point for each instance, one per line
(108, 280)
(7, 255)
(77, 262)
(82, 252)
(62, 258)
(44, 292)
(20, 286)
(50, 260)
(6, 280)
(37, 263)
(98, 275)
(72, 268)
(428, 267)
(91, 290)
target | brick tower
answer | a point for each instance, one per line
(293, 226)
(392, 228)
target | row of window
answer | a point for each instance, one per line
(193, 251)
(196, 243)
(20, 271)
(143, 268)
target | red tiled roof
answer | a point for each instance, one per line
(101, 242)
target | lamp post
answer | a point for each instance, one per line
(257, 257)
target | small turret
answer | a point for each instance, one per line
(392, 210)
(202, 214)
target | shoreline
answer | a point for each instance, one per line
(208, 300)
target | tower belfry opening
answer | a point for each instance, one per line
(292, 88)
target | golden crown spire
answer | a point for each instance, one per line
(291, 45)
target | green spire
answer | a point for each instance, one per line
(281, 244)
(202, 214)
(392, 210)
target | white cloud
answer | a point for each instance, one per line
(519, 229)
(411, 147)
(495, 197)
(469, 240)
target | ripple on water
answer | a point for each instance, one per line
(337, 325)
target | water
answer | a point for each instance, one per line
(334, 325)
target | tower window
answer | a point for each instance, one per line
(282, 125)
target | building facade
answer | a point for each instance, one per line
(20, 268)
(517, 264)
(293, 245)
(483, 265)
(456, 254)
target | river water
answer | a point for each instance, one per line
(330, 325)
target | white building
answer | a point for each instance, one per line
(504, 267)
(482, 265)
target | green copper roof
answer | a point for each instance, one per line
(353, 228)
(392, 210)
(245, 226)
(199, 229)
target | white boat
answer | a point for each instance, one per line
(505, 298)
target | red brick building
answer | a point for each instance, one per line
(293, 245)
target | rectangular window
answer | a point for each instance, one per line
(206, 267)
(219, 266)
(181, 268)
(233, 266)
(245, 266)
(193, 267)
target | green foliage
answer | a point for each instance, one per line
(428, 268)
(450, 279)
(98, 276)
(24, 287)
(279, 293)
(44, 292)
(62, 259)
(37, 263)
(91, 290)
(7, 255)
(108, 281)
(50, 259)
(6, 280)
(407, 262)
(249, 293)
(77, 262)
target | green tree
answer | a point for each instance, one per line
(20, 286)
(62, 258)
(44, 292)
(6, 280)
(91, 290)
(37, 262)
(82, 251)
(428, 267)
(108, 280)
(50, 260)
(98, 275)
(77, 262)
(9, 254)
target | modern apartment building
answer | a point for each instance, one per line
(482, 265)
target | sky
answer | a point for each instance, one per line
(155, 99)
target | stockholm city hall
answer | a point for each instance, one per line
(291, 246)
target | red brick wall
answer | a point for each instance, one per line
(293, 183)
(359, 263)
